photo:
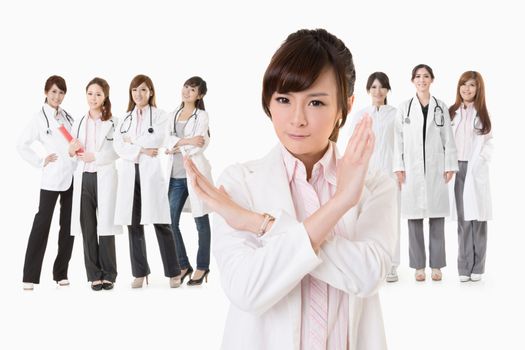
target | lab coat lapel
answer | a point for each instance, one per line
(105, 128)
(268, 183)
(430, 114)
(456, 120)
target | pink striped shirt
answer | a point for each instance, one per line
(323, 182)
(92, 128)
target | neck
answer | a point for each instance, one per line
(52, 107)
(189, 106)
(309, 160)
(467, 104)
(423, 96)
(95, 113)
(142, 106)
(378, 104)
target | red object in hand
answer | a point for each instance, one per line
(68, 137)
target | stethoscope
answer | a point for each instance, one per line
(440, 121)
(80, 124)
(195, 114)
(476, 123)
(68, 118)
(130, 117)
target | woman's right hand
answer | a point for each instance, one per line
(50, 158)
(400, 178)
(353, 166)
(74, 146)
(152, 152)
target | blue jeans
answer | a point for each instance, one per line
(178, 193)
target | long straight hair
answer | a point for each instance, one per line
(106, 106)
(479, 100)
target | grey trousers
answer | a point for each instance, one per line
(436, 247)
(99, 252)
(472, 235)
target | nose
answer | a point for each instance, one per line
(298, 117)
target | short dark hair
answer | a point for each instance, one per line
(56, 80)
(300, 60)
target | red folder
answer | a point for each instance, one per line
(68, 137)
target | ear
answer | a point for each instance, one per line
(350, 103)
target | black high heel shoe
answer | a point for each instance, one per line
(188, 273)
(198, 282)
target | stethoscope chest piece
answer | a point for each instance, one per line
(407, 120)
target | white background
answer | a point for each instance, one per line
(230, 44)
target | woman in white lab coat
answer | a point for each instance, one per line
(424, 162)
(95, 184)
(57, 181)
(141, 193)
(383, 116)
(189, 136)
(297, 233)
(470, 192)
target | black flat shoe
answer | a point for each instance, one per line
(198, 282)
(96, 287)
(107, 285)
(188, 273)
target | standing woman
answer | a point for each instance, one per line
(424, 162)
(57, 181)
(189, 136)
(141, 193)
(96, 186)
(383, 116)
(297, 239)
(471, 191)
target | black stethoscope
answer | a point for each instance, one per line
(440, 121)
(68, 118)
(195, 114)
(130, 117)
(80, 124)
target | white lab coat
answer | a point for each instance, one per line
(57, 175)
(196, 126)
(383, 122)
(154, 197)
(477, 200)
(424, 193)
(262, 276)
(105, 157)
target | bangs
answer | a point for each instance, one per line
(139, 79)
(297, 69)
(193, 82)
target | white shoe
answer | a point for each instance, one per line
(63, 283)
(392, 275)
(138, 282)
(28, 286)
(475, 277)
(175, 282)
(464, 278)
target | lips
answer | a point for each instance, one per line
(297, 137)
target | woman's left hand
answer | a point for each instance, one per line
(220, 202)
(86, 157)
(448, 175)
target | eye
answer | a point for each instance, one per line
(316, 103)
(282, 100)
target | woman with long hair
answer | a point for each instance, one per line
(470, 197)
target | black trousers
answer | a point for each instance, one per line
(99, 251)
(137, 242)
(36, 246)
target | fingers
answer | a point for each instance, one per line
(364, 139)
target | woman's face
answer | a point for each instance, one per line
(95, 97)
(378, 93)
(468, 90)
(422, 80)
(55, 96)
(141, 95)
(304, 120)
(190, 94)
